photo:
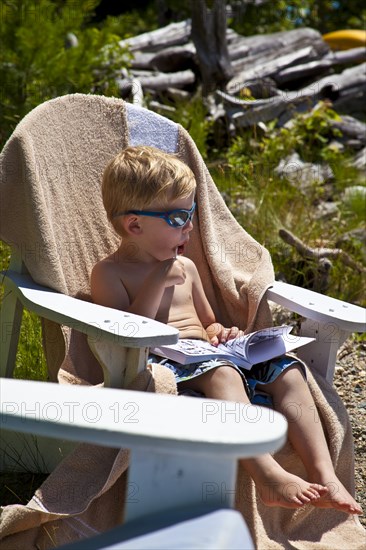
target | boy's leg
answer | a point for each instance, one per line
(275, 486)
(223, 382)
(291, 396)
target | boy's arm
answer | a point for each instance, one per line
(216, 332)
(107, 288)
(202, 305)
(147, 301)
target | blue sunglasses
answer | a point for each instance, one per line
(174, 218)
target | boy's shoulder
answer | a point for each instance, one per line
(187, 262)
(106, 265)
(189, 265)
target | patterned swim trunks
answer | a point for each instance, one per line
(262, 373)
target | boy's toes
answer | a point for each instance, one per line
(321, 489)
(354, 509)
(311, 494)
(300, 501)
(318, 490)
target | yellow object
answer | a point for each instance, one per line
(346, 39)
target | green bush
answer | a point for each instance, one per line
(50, 48)
(264, 202)
(193, 116)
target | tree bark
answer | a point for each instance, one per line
(162, 81)
(319, 253)
(315, 68)
(209, 37)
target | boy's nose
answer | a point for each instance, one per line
(188, 227)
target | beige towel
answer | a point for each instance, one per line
(52, 213)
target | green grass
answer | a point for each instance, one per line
(271, 204)
(18, 487)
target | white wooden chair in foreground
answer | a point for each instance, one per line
(177, 445)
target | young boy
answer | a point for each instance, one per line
(149, 199)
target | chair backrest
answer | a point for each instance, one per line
(53, 216)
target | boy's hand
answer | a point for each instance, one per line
(218, 334)
(175, 273)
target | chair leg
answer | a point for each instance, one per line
(120, 364)
(11, 318)
(321, 355)
(162, 481)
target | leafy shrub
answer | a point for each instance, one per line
(264, 202)
(50, 48)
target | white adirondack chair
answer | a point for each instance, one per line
(121, 341)
(127, 339)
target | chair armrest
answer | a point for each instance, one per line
(318, 307)
(328, 320)
(180, 446)
(185, 424)
(96, 321)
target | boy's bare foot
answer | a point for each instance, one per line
(339, 498)
(290, 491)
(277, 487)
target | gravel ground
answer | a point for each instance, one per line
(349, 381)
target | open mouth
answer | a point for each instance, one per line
(180, 249)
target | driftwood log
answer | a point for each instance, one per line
(171, 35)
(335, 88)
(162, 81)
(285, 72)
(319, 253)
(320, 66)
(316, 265)
(258, 46)
(276, 52)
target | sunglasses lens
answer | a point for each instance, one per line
(178, 219)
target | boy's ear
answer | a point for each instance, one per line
(131, 224)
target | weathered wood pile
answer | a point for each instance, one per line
(274, 77)
(283, 73)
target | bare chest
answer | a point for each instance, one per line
(176, 304)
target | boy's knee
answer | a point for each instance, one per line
(297, 369)
(292, 375)
(226, 374)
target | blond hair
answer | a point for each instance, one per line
(140, 175)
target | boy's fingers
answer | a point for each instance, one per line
(214, 332)
(214, 341)
(230, 334)
(233, 333)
